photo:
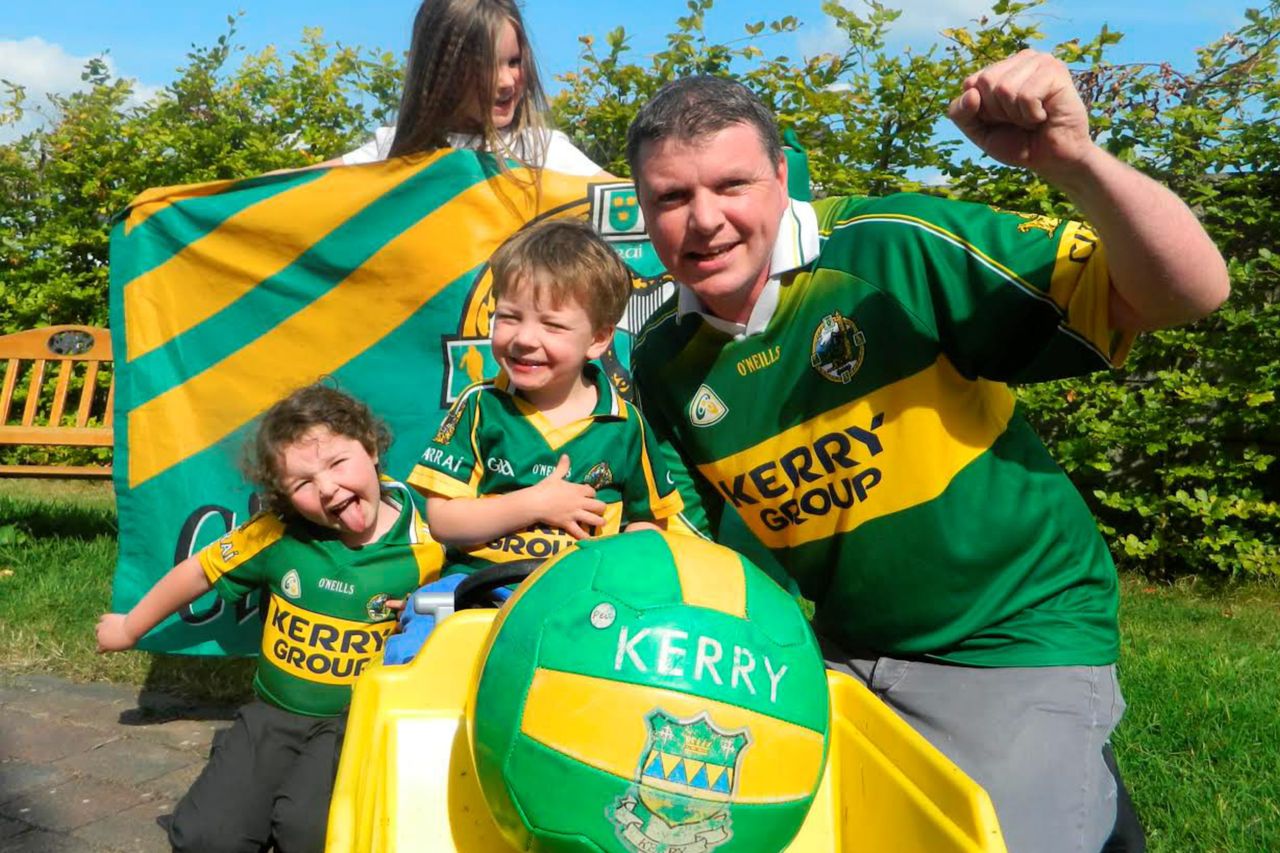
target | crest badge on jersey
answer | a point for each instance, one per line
(706, 408)
(377, 607)
(688, 771)
(599, 476)
(291, 584)
(839, 347)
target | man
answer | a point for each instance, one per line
(833, 374)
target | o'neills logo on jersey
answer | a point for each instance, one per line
(706, 408)
(838, 348)
(317, 647)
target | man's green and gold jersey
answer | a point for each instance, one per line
(866, 436)
(326, 613)
(493, 441)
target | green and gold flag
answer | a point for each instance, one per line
(226, 296)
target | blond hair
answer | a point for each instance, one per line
(565, 259)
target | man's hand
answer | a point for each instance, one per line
(113, 634)
(572, 507)
(1025, 111)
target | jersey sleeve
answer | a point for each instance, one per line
(451, 467)
(650, 489)
(427, 552)
(233, 564)
(1008, 296)
(699, 513)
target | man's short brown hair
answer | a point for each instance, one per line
(565, 259)
(691, 108)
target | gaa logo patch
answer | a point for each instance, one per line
(838, 348)
(291, 584)
(706, 408)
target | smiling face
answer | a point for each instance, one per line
(712, 207)
(509, 82)
(332, 481)
(542, 348)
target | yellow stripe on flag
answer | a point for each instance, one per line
(338, 326)
(711, 576)
(150, 202)
(603, 724)
(248, 248)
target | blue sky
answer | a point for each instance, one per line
(44, 44)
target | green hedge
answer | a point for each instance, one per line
(1177, 451)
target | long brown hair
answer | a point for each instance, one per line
(453, 69)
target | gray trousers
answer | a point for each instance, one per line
(1031, 736)
(268, 781)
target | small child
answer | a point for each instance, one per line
(337, 552)
(548, 452)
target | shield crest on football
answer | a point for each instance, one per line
(686, 779)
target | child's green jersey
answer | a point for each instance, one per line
(493, 441)
(866, 436)
(326, 613)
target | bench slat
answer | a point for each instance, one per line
(77, 436)
(54, 471)
(6, 394)
(86, 393)
(60, 395)
(108, 417)
(34, 387)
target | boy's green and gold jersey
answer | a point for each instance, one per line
(867, 437)
(326, 613)
(493, 442)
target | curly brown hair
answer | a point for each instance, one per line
(318, 404)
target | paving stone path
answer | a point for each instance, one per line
(90, 768)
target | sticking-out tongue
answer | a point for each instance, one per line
(352, 517)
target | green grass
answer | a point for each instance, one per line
(1199, 747)
(1200, 744)
(57, 553)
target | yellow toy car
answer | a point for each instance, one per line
(408, 778)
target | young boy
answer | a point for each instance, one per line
(337, 552)
(548, 452)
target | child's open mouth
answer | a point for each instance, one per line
(349, 514)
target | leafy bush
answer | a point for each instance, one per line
(1177, 452)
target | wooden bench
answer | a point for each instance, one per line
(64, 356)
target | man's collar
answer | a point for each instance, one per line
(796, 246)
